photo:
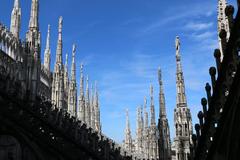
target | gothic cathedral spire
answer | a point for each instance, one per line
(87, 104)
(183, 124)
(72, 93)
(81, 99)
(128, 138)
(97, 110)
(164, 146)
(181, 97)
(33, 43)
(58, 75)
(47, 52)
(152, 108)
(16, 19)
(162, 107)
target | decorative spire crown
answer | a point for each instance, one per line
(48, 38)
(33, 23)
(161, 95)
(16, 4)
(181, 97)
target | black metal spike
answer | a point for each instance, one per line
(204, 104)
(194, 139)
(212, 72)
(217, 55)
(229, 13)
(200, 116)
(197, 128)
(223, 36)
(208, 91)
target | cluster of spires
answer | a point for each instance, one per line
(64, 92)
(146, 144)
(153, 141)
(63, 89)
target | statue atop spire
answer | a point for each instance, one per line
(16, 19)
(181, 97)
(47, 52)
(183, 124)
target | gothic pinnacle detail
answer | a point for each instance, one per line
(181, 97)
(163, 126)
(97, 110)
(72, 92)
(16, 19)
(152, 107)
(33, 23)
(162, 108)
(183, 124)
(47, 52)
(223, 23)
(87, 103)
(128, 138)
(81, 103)
(58, 97)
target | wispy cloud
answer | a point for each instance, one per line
(183, 12)
(203, 35)
(198, 26)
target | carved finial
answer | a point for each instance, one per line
(60, 23)
(74, 49)
(159, 76)
(16, 4)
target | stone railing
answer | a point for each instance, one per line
(218, 94)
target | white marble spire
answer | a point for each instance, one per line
(146, 131)
(33, 42)
(163, 126)
(162, 107)
(97, 110)
(33, 36)
(66, 79)
(139, 133)
(16, 19)
(72, 93)
(58, 75)
(87, 104)
(92, 108)
(145, 114)
(181, 96)
(152, 108)
(128, 138)
(47, 52)
(81, 99)
(182, 114)
(33, 23)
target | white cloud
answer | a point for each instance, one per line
(203, 35)
(179, 13)
(197, 26)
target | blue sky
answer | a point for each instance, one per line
(123, 42)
